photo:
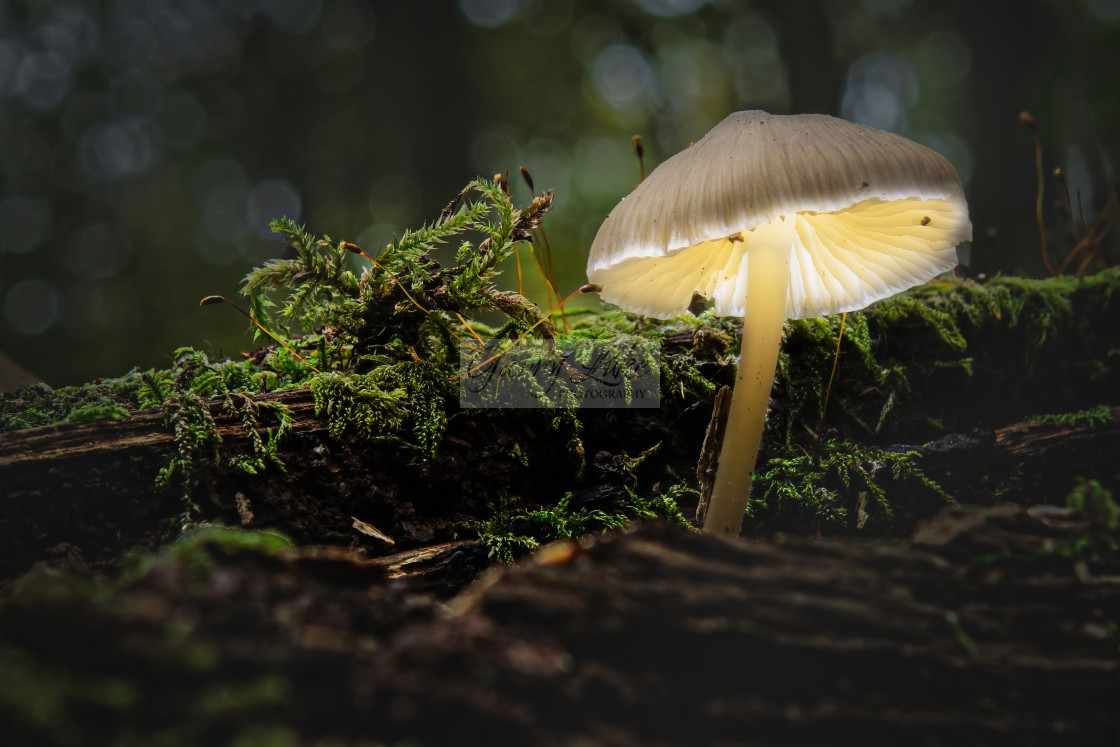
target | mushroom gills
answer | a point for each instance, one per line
(842, 261)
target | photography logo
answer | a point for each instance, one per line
(561, 372)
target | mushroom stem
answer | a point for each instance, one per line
(768, 270)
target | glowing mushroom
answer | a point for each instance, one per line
(773, 218)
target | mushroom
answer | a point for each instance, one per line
(778, 217)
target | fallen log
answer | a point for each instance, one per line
(991, 626)
(90, 487)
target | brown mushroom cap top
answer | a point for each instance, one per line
(873, 213)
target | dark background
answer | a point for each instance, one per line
(144, 145)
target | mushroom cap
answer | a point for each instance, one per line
(874, 214)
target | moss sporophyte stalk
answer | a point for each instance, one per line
(388, 336)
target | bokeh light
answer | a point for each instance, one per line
(293, 16)
(81, 310)
(605, 169)
(495, 148)
(881, 89)
(670, 8)
(119, 148)
(1104, 10)
(348, 25)
(622, 77)
(181, 120)
(489, 13)
(24, 223)
(32, 306)
(759, 74)
(269, 199)
(943, 59)
(96, 250)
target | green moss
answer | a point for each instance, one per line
(928, 361)
(509, 534)
(195, 550)
(231, 539)
(1041, 311)
(404, 306)
(840, 488)
(430, 394)
(196, 445)
(1096, 503)
(77, 650)
(40, 695)
(1094, 417)
(963, 638)
(909, 308)
(358, 404)
(92, 413)
(252, 413)
(1102, 514)
(39, 404)
(227, 699)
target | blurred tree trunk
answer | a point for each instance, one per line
(807, 47)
